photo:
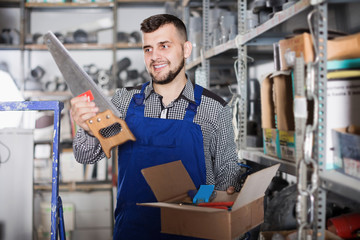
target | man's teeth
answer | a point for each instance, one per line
(160, 66)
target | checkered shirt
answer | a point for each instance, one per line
(213, 115)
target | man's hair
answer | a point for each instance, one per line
(154, 22)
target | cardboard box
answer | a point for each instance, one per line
(270, 136)
(277, 116)
(343, 97)
(267, 103)
(170, 183)
(346, 152)
(344, 47)
(268, 235)
(287, 145)
(337, 49)
(300, 44)
(283, 100)
(268, 116)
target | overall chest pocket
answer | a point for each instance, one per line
(159, 132)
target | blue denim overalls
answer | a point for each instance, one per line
(158, 141)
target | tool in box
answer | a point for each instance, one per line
(220, 205)
(79, 82)
(204, 194)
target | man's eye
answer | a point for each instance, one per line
(165, 46)
(147, 50)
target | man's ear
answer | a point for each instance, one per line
(187, 49)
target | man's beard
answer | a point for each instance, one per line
(171, 75)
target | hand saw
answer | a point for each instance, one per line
(79, 82)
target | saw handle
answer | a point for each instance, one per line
(107, 119)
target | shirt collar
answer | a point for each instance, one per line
(187, 93)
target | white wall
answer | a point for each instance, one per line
(16, 184)
(10, 18)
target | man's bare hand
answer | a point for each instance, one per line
(82, 110)
(230, 190)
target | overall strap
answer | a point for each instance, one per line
(192, 107)
(137, 102)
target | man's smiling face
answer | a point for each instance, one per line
(164, 53)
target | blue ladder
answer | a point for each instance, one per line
(56, 203)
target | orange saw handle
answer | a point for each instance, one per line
(107, 119)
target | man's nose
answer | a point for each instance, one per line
(155, 55)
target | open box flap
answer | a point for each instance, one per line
(183, 207)
(168, 181)
(255, 186)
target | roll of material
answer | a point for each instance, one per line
(345, 226)
(33, 82)
(5, 36)
(120, 67)
(51, 86)
(145, 76)
(44, 121)
(58, 84)
(132, 74)
(337, 65)
(80, 36)
(60, 36)
(344, 74)
(276, 5)
(4, 67)
(37, 38)
(123, 37)
(10, 36)
(258, 5)
(91, 69)
(103, 78)
(135, 37)
(61, 86)
(252, 19)
(122, 64)
(37, 73)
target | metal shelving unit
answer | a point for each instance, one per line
(341, 184)
(328, 180)
(251, 36)
(257, 155)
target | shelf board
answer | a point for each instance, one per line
(213, 52)
(144, 1)
(220, 49)
(69, 5)
(256, 155)
(57, 95)
(278, 18)
(341, 184)
(9, 47)
(10, 3)
(75, 186)
(74, 46)
(86, 46)
(128, 45)
(193, 63)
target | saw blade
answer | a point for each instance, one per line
(76, 78)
